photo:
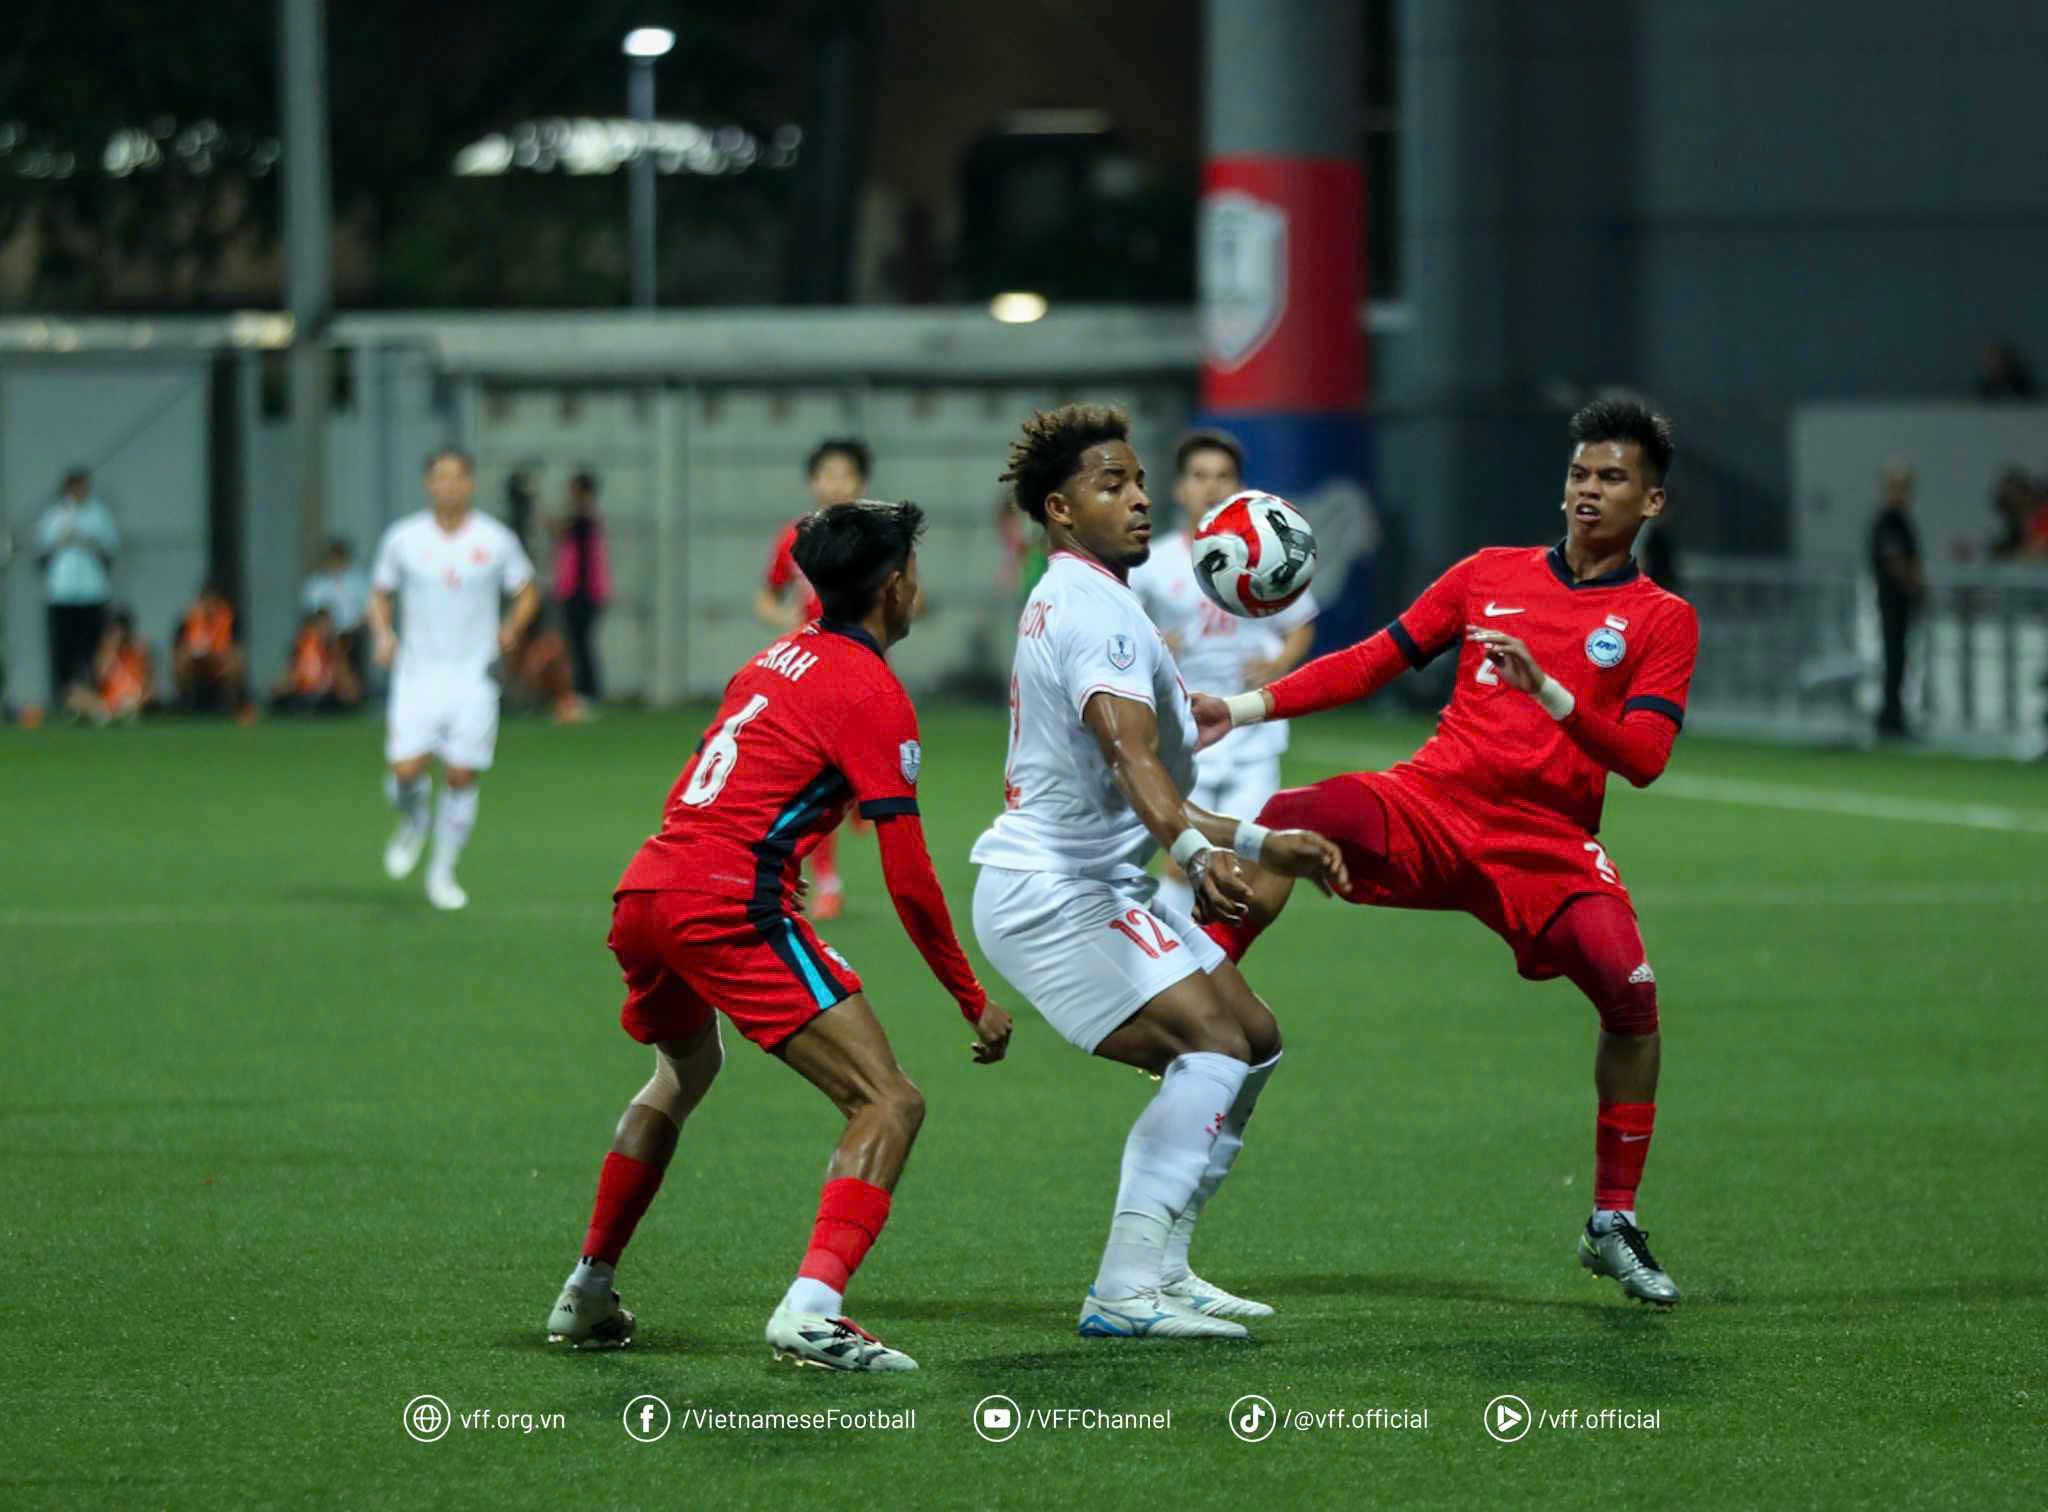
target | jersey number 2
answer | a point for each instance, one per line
(1138, 919)
(721, 755)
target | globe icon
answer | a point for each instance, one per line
(426, 1418)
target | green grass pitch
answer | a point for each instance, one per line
(281, 1149)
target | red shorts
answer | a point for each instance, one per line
(1450, 849)
(684, 954)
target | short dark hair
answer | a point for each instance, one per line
(585, 479)
(76, 475)
(1208, 440)
(1620, 418)
(340, 547)
(468, 462)
(852, 448)
(1049, 451)
(849, 550)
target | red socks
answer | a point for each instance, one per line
(624, 1188)
(850, 1218)
(1621, 1141)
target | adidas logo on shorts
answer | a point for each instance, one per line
(1642, 974)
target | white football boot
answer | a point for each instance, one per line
(590, 1320)
(445, 893)
(1623, 1252)
(1211, 1300)
(830, 1343)
(402, 851)
(1150, 1315)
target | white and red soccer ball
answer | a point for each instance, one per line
(1254, 554)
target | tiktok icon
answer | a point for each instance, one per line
(1253, 1419)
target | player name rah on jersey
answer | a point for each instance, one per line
(785, 658)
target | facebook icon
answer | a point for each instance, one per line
(646, 1418)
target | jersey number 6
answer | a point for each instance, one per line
(721, 755)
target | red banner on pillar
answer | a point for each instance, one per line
(1282, 273)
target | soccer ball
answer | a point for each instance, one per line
(1254, 554)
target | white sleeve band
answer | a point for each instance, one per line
(1190, 843)
(1250, 840)
(1246, 708)
(1556, 698)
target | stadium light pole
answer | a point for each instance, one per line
(642, 46)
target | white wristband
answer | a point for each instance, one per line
(1556, 698)
(1190, 843)
(1246, 708)
(1250, 840)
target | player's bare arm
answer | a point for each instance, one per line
(773, 609)
(525, 605)
(1293, 651)
(1126, 731)
(383, 643)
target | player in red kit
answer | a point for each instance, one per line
(705, 917)
(836, 472)
(1571, 665)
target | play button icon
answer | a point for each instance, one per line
(1507, 1418)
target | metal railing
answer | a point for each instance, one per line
(1794, 649)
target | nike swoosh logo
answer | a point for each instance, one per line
(1494, 609)
(1633, 1138)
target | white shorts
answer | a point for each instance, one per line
(1087, 954)
(1237, 786)
(452, 715)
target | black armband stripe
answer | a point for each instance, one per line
(1671, 711)
(888, 808)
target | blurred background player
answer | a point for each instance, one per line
(122, 675)
(1101, 748)
(582, 581)
(1901, 586)
(1216, 650)
(1496, 815)
(317, 677)
(208, 665)
(447, 568)
(75, 545)
(705, 917)
(836, 472)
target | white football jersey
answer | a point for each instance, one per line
(1083, 632)
(1213, 646)
(449, 588)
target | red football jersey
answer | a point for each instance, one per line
(816, 719)
(1619, 643)
(783, 570)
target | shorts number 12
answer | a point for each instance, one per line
(1138, 919)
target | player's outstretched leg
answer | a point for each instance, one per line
(845, 1054)
(1596, 943)
(409, 790)
(454, 818)
(1190, 1039)
(588, 1314)
(1262, 1038)
(1341, 808)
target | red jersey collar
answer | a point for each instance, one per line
(1562, 569)
(852, 632)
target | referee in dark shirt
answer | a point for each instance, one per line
(1901, 585)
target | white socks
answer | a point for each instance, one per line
(409, 798)
(1222, 1155)
(591, 1276)
(806, 1295)
(454, 818)
(1604, 1219)
(1168, 1151)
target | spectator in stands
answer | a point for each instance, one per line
(542, 675)
(1658, 554)
(317, 676)
(583, 579)
(2014, 499)
(343, 591)
(75, 546)
(2002, 373)
(207, 664)
(122, 675)
(1901, 585)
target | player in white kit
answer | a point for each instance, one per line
(1215, 649)
(449, 568)
(1101, 749)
